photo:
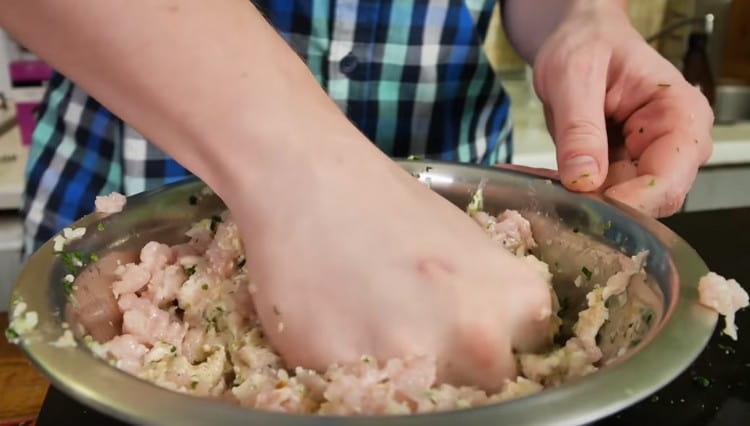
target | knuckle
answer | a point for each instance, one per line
(578, 135)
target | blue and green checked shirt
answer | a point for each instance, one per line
(411, 74)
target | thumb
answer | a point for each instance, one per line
(576, 106)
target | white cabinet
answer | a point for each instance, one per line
(11, 242)
(720, 188)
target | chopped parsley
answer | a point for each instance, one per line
(11, 334)
(215, 221)
(75, 260)
(728, 350)
(652, 182)
(173, 349)
(193, 200)
(586, 273)
(241, 263)
(100, 227)
(190, 270)
(72, 261)
(204, 286)
(68, 288)
(701, 381)
(647, 316)
(193, 384)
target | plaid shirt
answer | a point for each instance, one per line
(410, 74)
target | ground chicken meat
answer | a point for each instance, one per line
(108, 204)
(189, 325)
(725, 297)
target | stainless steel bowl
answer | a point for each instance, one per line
(676, 339)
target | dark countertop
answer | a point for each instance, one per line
(714, 390)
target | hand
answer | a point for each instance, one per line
(371, 262)
(595, 67)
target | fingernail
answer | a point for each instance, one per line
(580, 170)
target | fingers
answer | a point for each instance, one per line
(666, 171)
(670, 137)
(485, 359)
(96, 309)
(674, 109)
(620, 171)
(574, 90)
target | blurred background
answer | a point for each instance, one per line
(709, 40)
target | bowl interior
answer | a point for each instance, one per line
(602, 233)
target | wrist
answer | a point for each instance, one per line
(528, 29)
(275, 172)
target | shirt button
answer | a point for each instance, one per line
(348, 63)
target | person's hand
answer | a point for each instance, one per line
(372, 262)
(595, 68)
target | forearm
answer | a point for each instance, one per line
(211, 83)
(528, 23)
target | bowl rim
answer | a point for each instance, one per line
(683, 334)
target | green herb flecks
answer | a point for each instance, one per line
(215, 221)
(701, 381)
(652, 182)
(11, 334)
(74, 261)
(241, 263)
(204, 286)
(647, 315)
(189, 271)
(413, 158)
(728, 350)
(586, 273)
(100, 227)
(68, 288)
(193, 384)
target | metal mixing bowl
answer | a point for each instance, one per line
(678, 336)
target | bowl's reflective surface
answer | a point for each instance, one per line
(165, 214)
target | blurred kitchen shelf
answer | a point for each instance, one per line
(13, 157)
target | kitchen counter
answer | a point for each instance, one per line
(714, 390)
